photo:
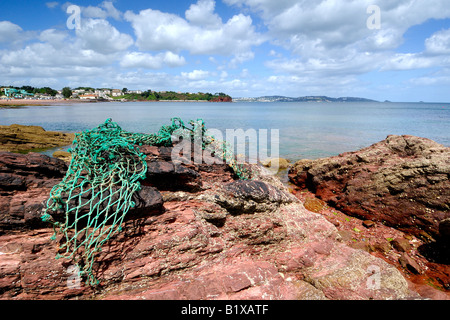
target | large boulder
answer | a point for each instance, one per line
(401, 181)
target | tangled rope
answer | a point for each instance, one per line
(97, 191)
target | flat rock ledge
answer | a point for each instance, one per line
(21, 138)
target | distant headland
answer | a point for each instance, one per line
(303, 99)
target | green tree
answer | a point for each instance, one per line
(48, 90)
(27, 88)
(124, 90)
(85, 89)
(66, 92)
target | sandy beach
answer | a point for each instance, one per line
(37, 102)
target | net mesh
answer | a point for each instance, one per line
(105, 172)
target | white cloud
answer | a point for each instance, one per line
(173, 60)
(105, 10)
(267, 8)
(54, 37)
(436, 54)
(96, 43)
(316, 27)
(273, 53)
(407, 61)
(195, 75)
(55, 53)
(438, 43)
(99, 35)
(354, 63)
(52, 4)
(202, 32)
(316, 15)
(44, 54)
(148, 61)
(140, 80)
(244, 73)
(240, 58)
(9, 31)
(202, 14)
(328, 37)
(441, 77)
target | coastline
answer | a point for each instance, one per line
(11, 103)
(36, 102)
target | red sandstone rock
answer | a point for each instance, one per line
(201, 246)
(222, 99)
(401, 181)
(25, 183)
(408, 263)
(401, 244)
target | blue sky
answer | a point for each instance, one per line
(245, 48)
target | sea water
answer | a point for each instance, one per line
(306, 129)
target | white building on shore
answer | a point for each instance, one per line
(89, 96)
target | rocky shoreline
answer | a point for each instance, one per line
(391, 199)
(21, 138)
(198, 232)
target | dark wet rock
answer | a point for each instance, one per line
(147, 199)
(444, 228)
(408, 263)
(25, 184)
(165, 175)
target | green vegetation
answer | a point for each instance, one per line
(88, 89)
(66, 92)
(33, 90)
(150, 95)
(47, 90)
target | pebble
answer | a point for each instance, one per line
(368, 223)
(408, 263)
(401, 244)
(383, 247)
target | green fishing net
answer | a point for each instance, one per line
(89, 205)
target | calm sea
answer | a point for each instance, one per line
(307, 130)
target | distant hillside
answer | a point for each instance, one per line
(304, 99)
